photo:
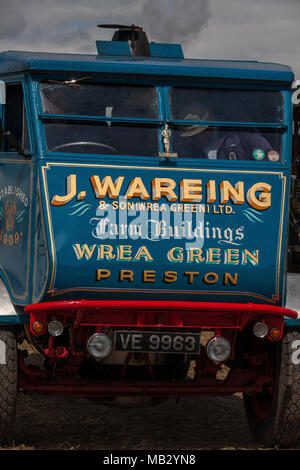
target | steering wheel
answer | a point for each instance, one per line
(72, 144)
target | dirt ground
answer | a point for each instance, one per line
(60, 423)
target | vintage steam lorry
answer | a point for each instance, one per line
(147, 246)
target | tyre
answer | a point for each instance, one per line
(8, 383)
(274, 414)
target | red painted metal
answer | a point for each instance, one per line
(249, 381)
(150, 305)
(226, 319)
(154, 314)
(61, 352)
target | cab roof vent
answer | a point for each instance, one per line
(133, 41)
(115, 48)
(171, 51)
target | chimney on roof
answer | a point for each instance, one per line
(134, 35)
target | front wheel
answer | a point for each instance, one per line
(8, 383)
(274, 414)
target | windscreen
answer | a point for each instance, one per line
(163, 122)
(102, 119)
(99, 100)
(227, 105)
(226, 124)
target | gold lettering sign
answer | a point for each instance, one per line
(188, 190)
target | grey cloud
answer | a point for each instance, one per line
(12, 23)
(175, 20)
(75, 22)
(225, 29)
(239, 29)
(166, 20)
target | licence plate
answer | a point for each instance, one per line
(133, 341)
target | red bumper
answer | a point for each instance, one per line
(227, 319)
(162, 314)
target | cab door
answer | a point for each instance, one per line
(16, 191)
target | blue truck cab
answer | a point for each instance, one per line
(145, 229)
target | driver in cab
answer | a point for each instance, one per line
(223, 143)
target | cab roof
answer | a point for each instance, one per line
(19, 62)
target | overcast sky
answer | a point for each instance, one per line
(267, 30)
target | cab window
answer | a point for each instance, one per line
(100, 118)
(226, 124)
(100, 100)
(15, 120)
(227, 105)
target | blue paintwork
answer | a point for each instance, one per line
(244, 228)
(115, 48)
(158, 49)
(14, 319)
(57, 271)
(11, 62)
(291, 323)
(121, 48)
(16, 187)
